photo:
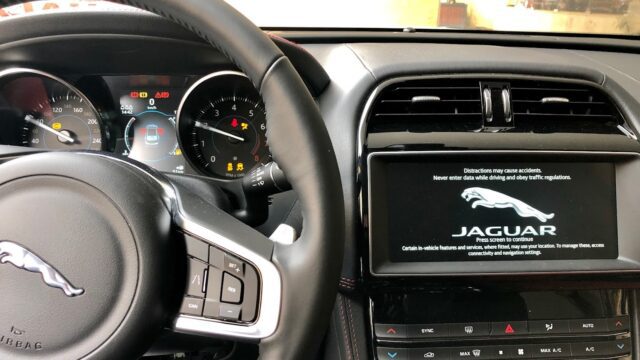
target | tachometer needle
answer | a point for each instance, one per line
(204, 126)
(60, 134)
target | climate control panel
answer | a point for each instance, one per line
(543, 331)
(478, 323)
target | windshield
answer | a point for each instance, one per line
(611, 17)
(598, 17)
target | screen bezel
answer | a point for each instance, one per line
(627, 174)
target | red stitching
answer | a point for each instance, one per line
(355, 342)
(344, 329)
(347, 283)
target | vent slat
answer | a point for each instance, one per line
(572, 102)
(576, 109)
(547, 89)
(428, 114)
(415, 88)
(567, 116)
(410, 101)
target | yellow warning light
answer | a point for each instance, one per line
(244, 126)
(229, 166)
(56, 126)
(240, 167)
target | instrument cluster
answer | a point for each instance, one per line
(213, 125)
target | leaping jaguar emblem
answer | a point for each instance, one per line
(493, 199)
(22, 258)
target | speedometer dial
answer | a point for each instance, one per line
(62, 122)
(222, 126)
(47, 112)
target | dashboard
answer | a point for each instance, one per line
(212, 125)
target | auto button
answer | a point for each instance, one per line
(588, 326)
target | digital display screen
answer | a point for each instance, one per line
(148, 107)
(494, 211)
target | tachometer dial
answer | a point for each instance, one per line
(63, 122)
(222, 126)
(229, 136)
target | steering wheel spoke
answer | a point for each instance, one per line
(233, 289)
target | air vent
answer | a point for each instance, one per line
(429, 105)
(549, 106)
(456, 105)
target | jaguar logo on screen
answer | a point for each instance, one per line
(493, 199)
(24, 259)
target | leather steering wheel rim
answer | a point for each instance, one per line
(300, 143)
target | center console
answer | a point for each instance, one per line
(500, 238)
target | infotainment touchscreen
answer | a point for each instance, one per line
(494, 211)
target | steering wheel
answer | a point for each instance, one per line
(93, 259)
